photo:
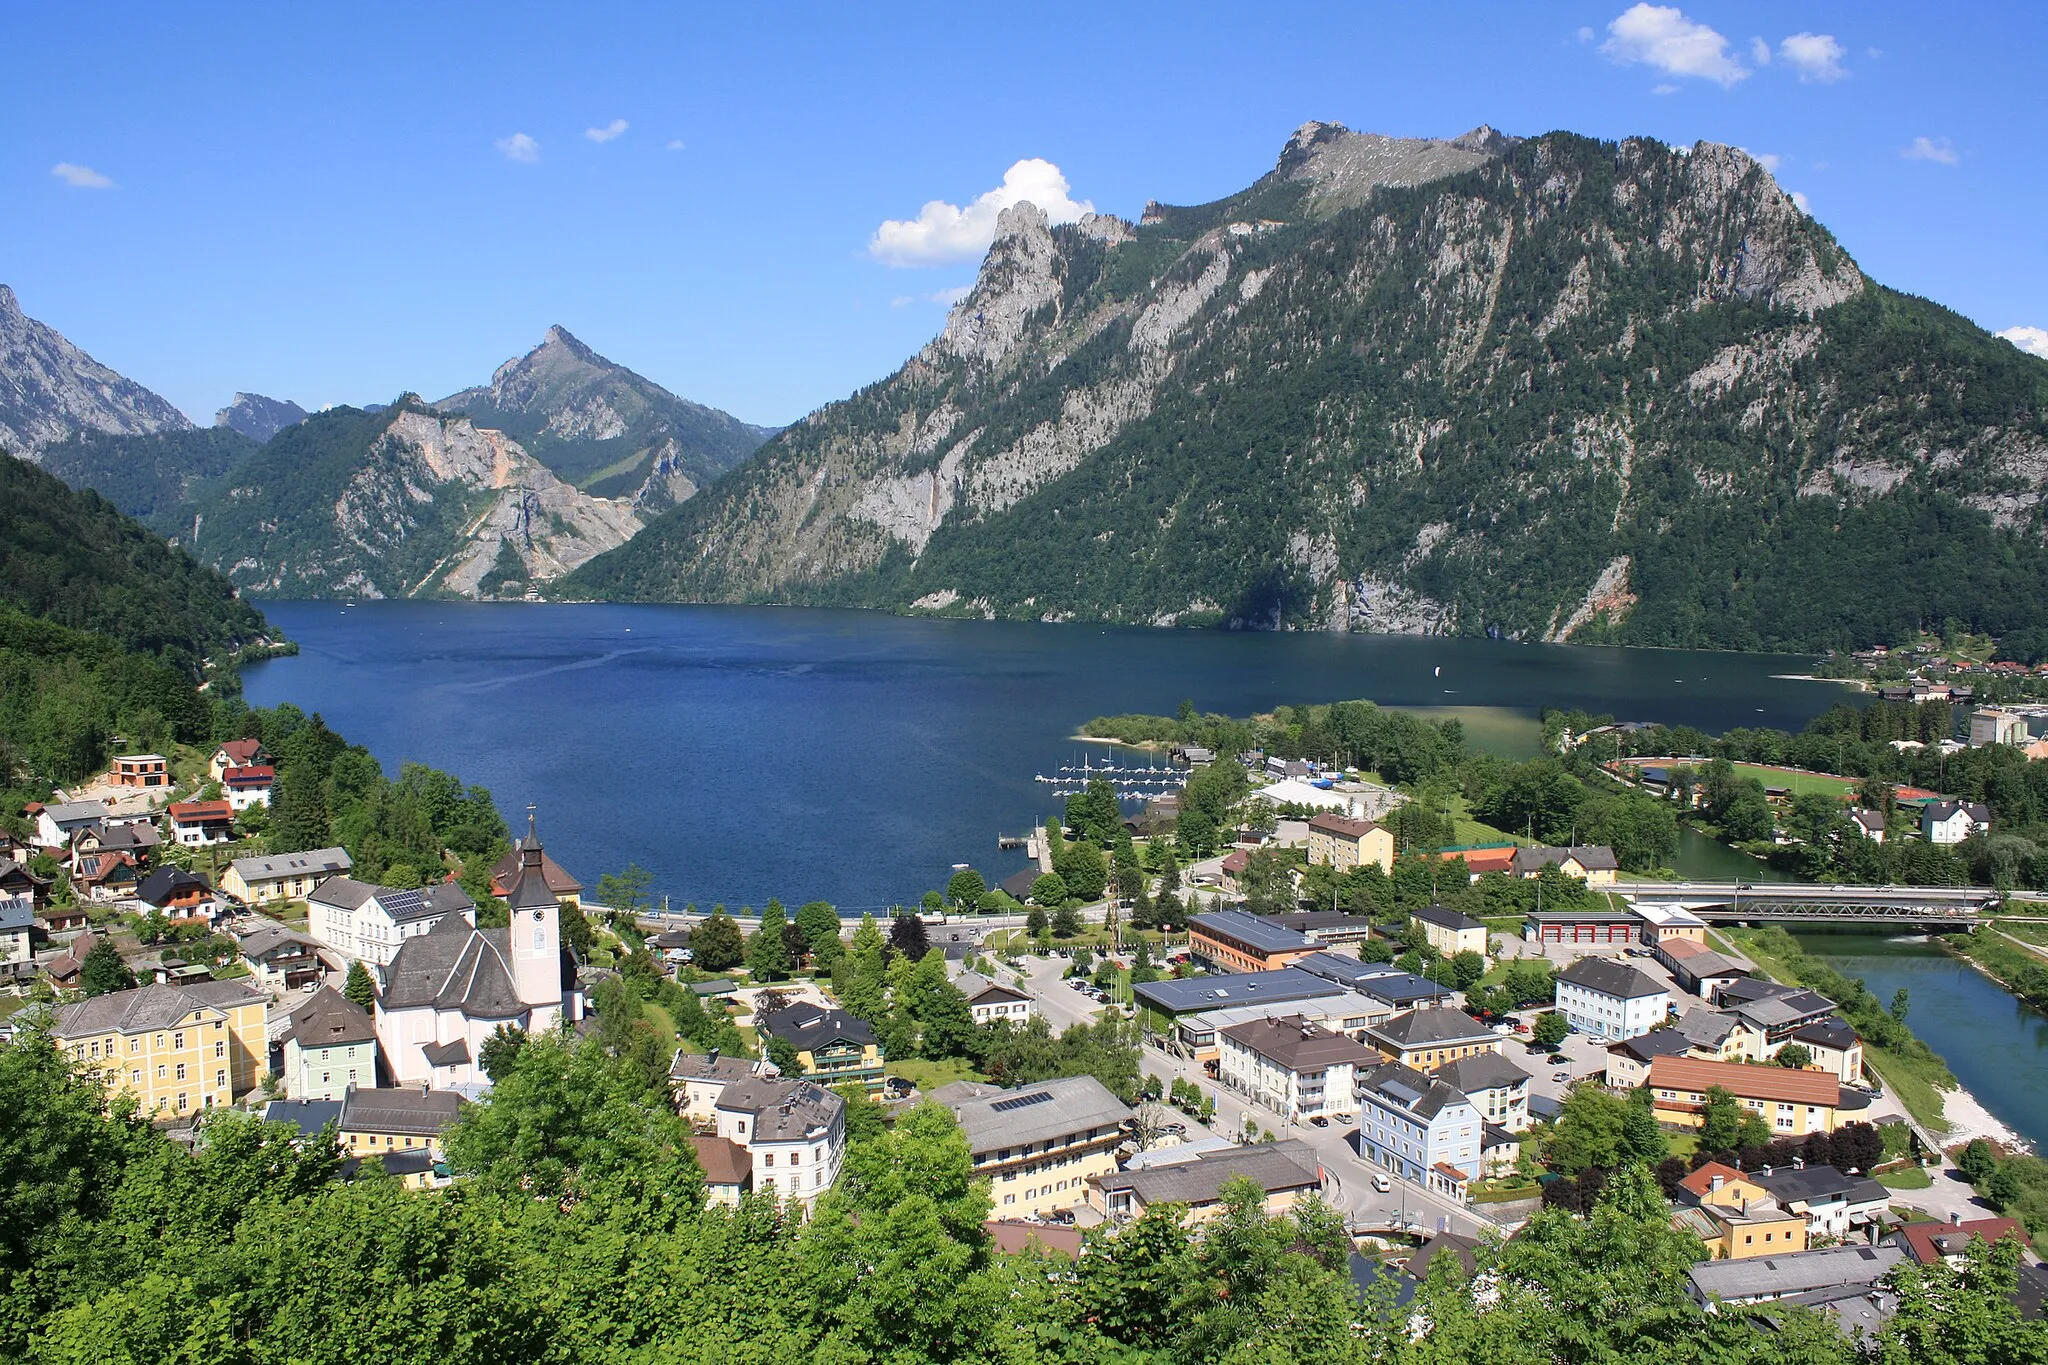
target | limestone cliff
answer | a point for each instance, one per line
(50, 390)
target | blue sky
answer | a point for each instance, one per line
(338, 203)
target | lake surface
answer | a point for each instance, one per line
(742, 753)
(1997, 1047)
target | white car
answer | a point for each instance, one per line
(1382, 1182)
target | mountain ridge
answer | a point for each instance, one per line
(50, 389)
(1547, 388)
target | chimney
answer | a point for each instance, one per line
(1717, 1182)
(1955, 1218)
(711, 1058)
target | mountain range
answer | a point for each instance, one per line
(1547, 388)
(1544, 388)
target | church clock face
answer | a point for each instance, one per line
(540, 914)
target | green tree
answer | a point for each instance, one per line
(945, 1024)
(1550, 1029)
(1050, 889)
(1036, 922)
(1066, 922)
(1795, 1056)
(625, 893)
(965, 888)
(767, 952)
(359, 987)
(1720, 1122)
(1468, 967)
(717, 943)
(103, 971)
(1081, 867)
(499, 1055)
(1977, 1161)
(783, 1053)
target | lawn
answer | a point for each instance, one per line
(1797, 782)
(1906, 1178)
(928, 1076)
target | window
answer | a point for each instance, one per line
(768, 1159)
(220, 1077)
(159, 1070)
(220, 1049)
(135, 1045)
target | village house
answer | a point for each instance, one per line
(17, 880)
(1698, 969)
(278, 959)
(1287, 1171)
(1427, 1039)
(370, 922)
(1793, 1103)
(103, 878)
(447, 990)
(56, 824)
(177, 1049)
(283, 876)
(1421, 1128)
(400, 1121)
(200, 824)
(1773, 1009)
(1929, 1242)
(1833, 1204)
(236, 753)
(17, 937)
(66, 967)
(246, 787)
(1293, 1066)
(1483, 859)
(1869, 823)
(1735, 1216)
(145, 771)
(1951, 822)
(1592, 864)
(1235, 941)
(1762, 1279)
(1450, 932)
(1667, 925)
(139, 840)
(697, 1081)
(329, 1047)
(988, 1001)
(1339, 842)
(1336, 1010)
(1610, 999)
(1038, 1145)
(178, 895)
(1497, 1087)
(1834, 1047)
(794, 1134)
(832, 1046)
(1717, 1036)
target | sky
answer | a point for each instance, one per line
(765, 207)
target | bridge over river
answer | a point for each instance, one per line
(1729, 902)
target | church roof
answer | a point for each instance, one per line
(455, 967)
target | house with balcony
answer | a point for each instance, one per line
(1420, 1128)
(1429, 1039)
(1497, 1087)
(832, 1046)
(793, 1132)
(1294, 1066)
(283, 876)
(1038, 1145)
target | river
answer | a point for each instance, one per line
(742, 753)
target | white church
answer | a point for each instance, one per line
(447, 990)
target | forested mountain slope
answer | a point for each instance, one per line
(604, 428)
(1549, 388)
(404, 501)
(151, 477)
(72, 559)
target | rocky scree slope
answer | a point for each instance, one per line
(49, 389)
(604, 428)
(257, 417)
(1546, 388)
(402, 502)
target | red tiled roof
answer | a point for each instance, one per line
(1483, 859)
(240, 751)
(1920, 1237)
(255, 775)
(1236, 862)
(1701, 1181)
(199, 812)
(1683, 948)
(1746, 1082)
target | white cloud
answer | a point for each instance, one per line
(1815, 56)
(1662, 37)
(1585, 34)
(1931, 149)
(1800, 199)
(1666, 88)
(519, 147)
(1770, 161)
(944, 232)
(608, 132)
(946, 298)
(2032, 340)
(675, 144)
(1759, 52)
(81, 177)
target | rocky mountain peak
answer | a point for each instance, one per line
(1342, 167)
(49, 389)
(257, 417)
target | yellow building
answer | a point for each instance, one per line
(176, 1049)
(1427, 1040)
(1038, 1146)
(282, 876)
(1449, 932)
(832, 1046)
(401, 1126)
(1736, 1217)
(1337, 842)
(1792, 1103)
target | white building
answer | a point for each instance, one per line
(697, 1081)
(1419, 1128)
(371, 922)
(1611, 999)
(1293, 1066)
(1498, 1089)
(794, 1132)
(988, 1001)
(447, 990)
(55, 824)
(1993, 725)
(1951, 822)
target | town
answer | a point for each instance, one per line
(1152, 1016)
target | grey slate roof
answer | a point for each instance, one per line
(308, 1116)
(808, 1027)
(1829, 1032)
(1704, 1027)
(161, 885)
(311, 863)
(1609, 977)
(1344, 970)
(145, 1007)
(345, 892)
(16, 914)
(1445, 918)
(452, 1053)
(690, 1066)
(272, 939)
(1402, 1087)
(1801, 1272)
(331, 1019)
(421, 1113)
(1274, 1166)
(1485, 1071)
(1592, 857)
(1256, 930)
(1232, 988)
(1430, 1028)
(455, 966)
(782, 1111)
(1297, 1044)
(993, 1118)
(1820, 1185)
(72, 812)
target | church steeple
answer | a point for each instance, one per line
(535, 933)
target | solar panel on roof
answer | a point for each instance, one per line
(1005, 1106)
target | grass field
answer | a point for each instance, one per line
(1797, 782)
(1907, 1178)
(930, 1076)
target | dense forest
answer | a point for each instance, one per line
(152, 478)
(578, 1231)
(71, 558)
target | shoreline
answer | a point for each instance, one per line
(1967, 1118)
(1860, 684)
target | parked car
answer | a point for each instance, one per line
(1319, 1121)
(1560, 1060)
(1382, 1182)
